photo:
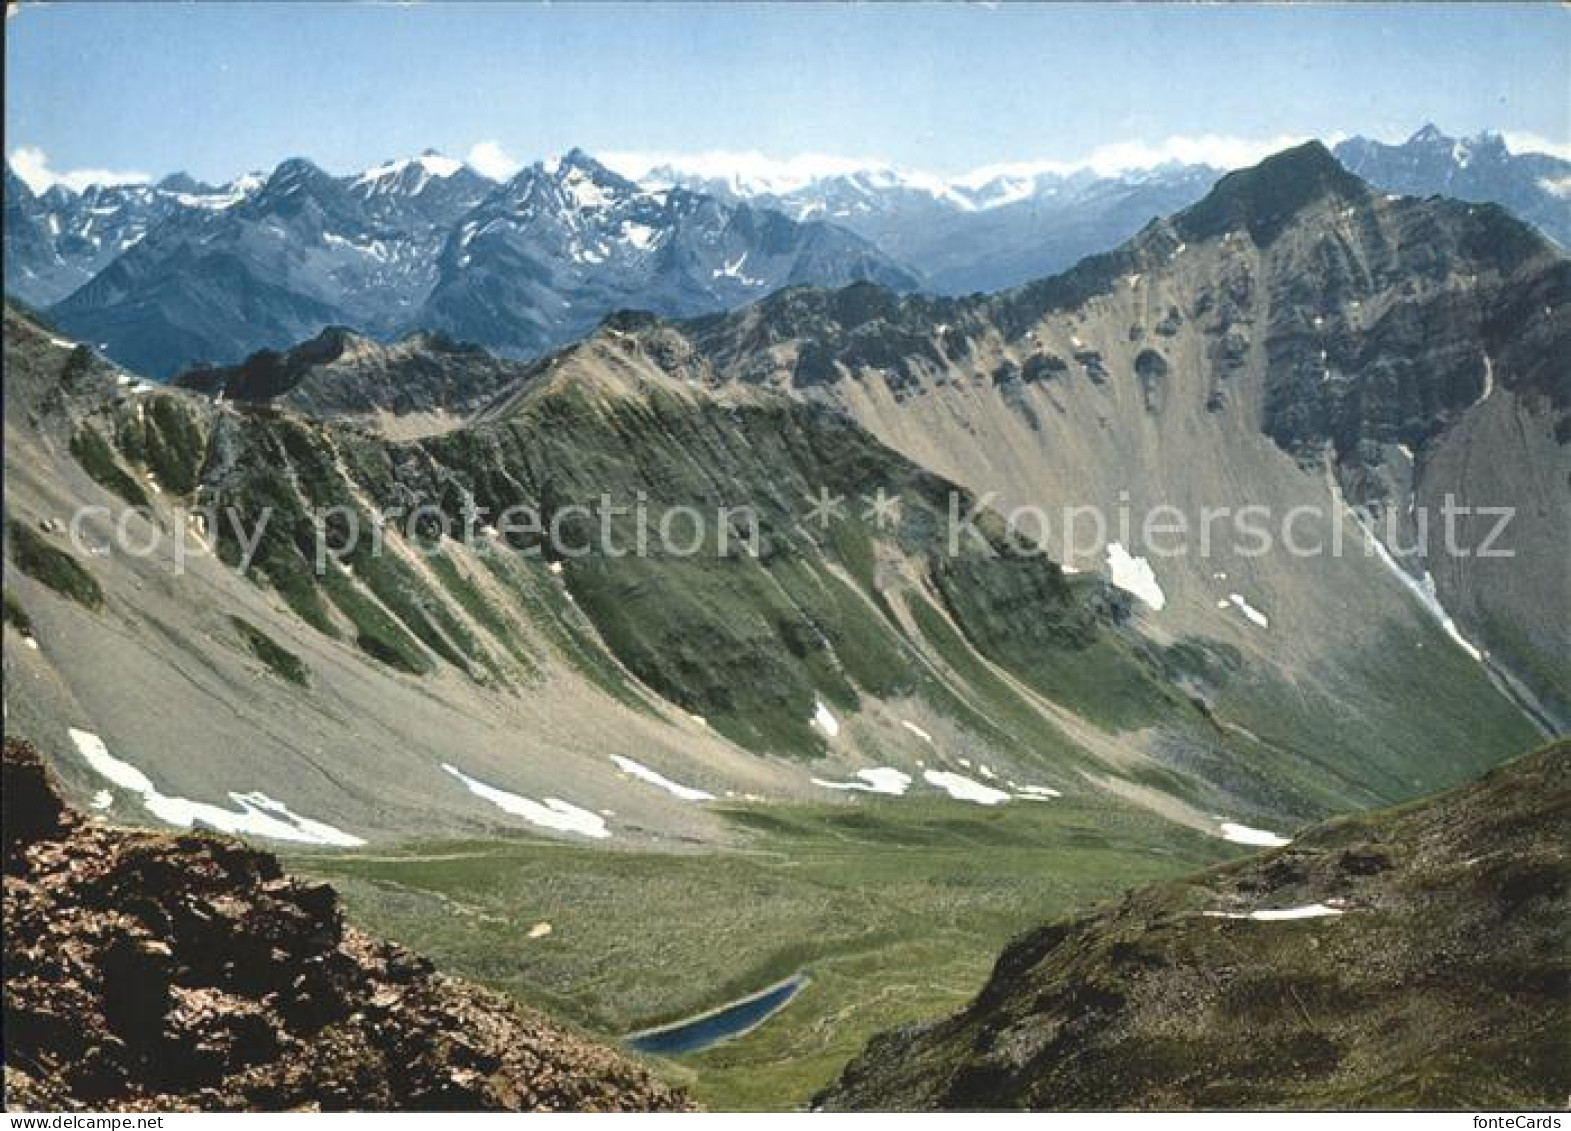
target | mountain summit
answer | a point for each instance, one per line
(1264, 198)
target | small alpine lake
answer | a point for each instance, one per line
(707, 1029)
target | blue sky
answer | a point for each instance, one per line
(217, 89)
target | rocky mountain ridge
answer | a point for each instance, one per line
(422, 380)
(1294, 302)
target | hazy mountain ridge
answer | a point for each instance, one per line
(58, 240)
(558, 247)
(1533, 186)
(303, 251)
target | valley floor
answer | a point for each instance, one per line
(894, 908)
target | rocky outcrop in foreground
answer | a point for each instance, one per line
(147, 971)
(1415, 958)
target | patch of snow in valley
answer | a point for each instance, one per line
(824, 719)
(103, 799)
(962, 788)
(916, 730)
(1277, 914)
(1036, 792)
(1255, 615)
(550, 813)
(878, 779)
(653, 777)
(1134, 575)
(1260, 838)
(257, 815)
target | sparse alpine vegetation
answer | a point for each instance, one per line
(1411, 958)
(34, 554)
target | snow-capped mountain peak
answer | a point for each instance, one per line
(408, 174)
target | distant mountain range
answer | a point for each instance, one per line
(982, 235)
(177, 274)
(58, 240)
(1535, 186)
(180, 278)
(995, 229)
(547, 255)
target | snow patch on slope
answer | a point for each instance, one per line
(1277, 914)
(1036, 792)
(878, 779)
(1134, 575)
(1243, 834)
(550, 813)
(962, 788)
(644, 773)
(257, 813)
(1249, 611)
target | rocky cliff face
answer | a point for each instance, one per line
(188, 973)
(1389, 339)
(1408, 959)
